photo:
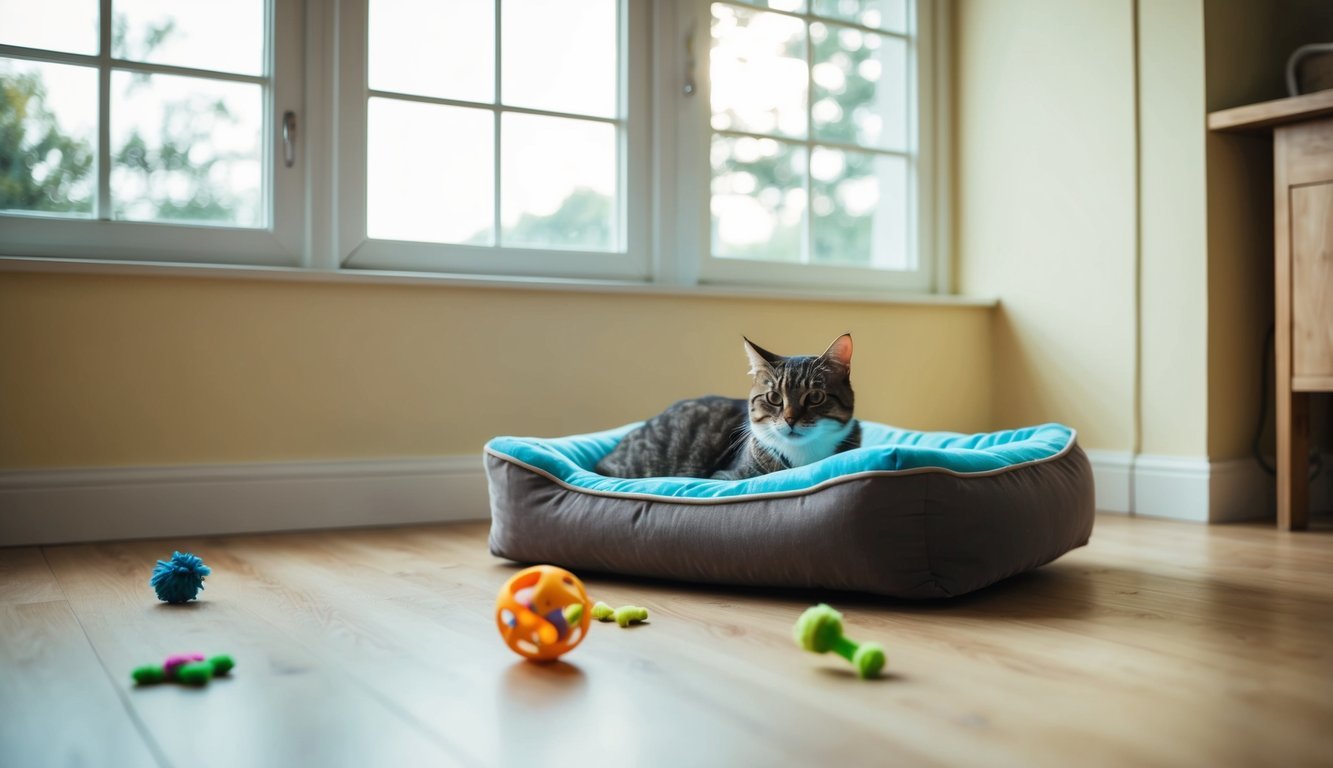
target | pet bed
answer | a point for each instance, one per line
(908, 514)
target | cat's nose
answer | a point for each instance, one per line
(790, 418)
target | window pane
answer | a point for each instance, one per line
(860, 87)
(429, 173)
(859, 202)
(758, 201)
(433, 48)
(57, 25)
(758, 72)
(186, 149)
(48, 137)
(889, 15)
(558, 182)
(222, 36)
(560, 56)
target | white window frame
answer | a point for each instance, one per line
(319, 207)
(928, 172)
(278, 243)
(630, 259)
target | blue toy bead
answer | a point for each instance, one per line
(557, 617)
(180, 580)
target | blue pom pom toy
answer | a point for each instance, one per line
(180, 580)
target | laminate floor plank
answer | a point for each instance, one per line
(25, 577)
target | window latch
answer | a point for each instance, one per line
(289, 138)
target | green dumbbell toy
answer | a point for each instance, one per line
(819, 630)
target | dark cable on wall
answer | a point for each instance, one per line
(1316, 458)
(1255, 445)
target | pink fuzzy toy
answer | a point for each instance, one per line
(178, 660)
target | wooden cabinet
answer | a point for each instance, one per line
(1312, 285)
(1302, 129)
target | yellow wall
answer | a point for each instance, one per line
(1050, 213)
(115, 370)
(1049, 109)
(1173, 209)
(1045, 205)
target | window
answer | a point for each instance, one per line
(816, 143)
(483, 140)
(143, 128)
(756, 142)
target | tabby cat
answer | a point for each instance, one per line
(799, 411)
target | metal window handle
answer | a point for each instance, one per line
(289, 138)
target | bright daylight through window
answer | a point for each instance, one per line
(780, 143)
(165, 126)
(516, 150)
(812, 142)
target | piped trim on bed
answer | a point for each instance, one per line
(885, 452)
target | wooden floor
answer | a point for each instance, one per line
(1158, 644)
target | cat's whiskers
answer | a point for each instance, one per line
(740, 436)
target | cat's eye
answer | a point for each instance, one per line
(815, 397)
(773, 397)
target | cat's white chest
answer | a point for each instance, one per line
(814, 445)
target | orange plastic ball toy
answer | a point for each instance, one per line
(530, 612)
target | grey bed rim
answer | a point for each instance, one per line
(833, 481)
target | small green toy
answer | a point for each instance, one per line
(819, 630)
(629, 614)
(184, 668)
(624, 615)
(573, 613)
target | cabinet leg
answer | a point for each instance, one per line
(1293, 460)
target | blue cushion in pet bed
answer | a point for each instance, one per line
(908, 514)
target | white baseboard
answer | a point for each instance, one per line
(1174, 487)
(51, 506)
(55, 506)
(1182, 487)
(1112, 474)
(1239, 489)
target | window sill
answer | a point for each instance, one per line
(385, 277)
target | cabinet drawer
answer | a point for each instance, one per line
(1312, 281)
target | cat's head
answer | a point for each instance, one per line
(800, 401)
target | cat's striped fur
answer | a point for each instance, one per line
(799, 411)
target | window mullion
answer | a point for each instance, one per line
(103, 205)
(144, 67)
(374, 93)
(498, 113)
(809, 251)
(269, 150)
(620, 241)
(41, 54)
(825, 143)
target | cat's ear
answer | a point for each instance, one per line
(840, 351)
(760, 359)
